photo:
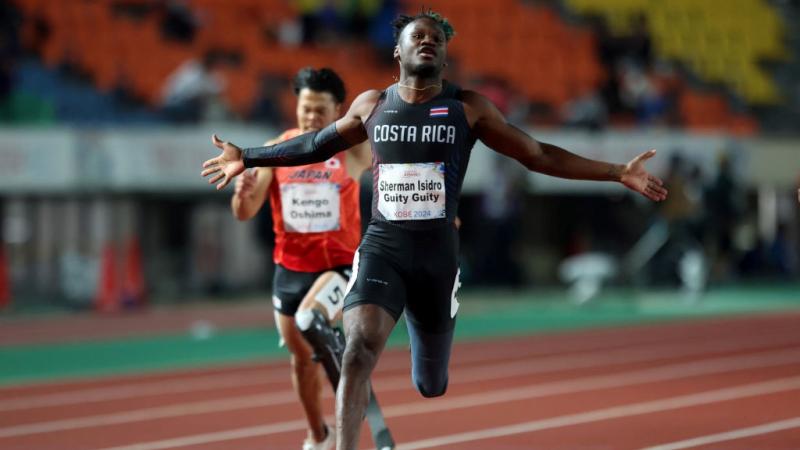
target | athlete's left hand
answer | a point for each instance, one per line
(226, 166)
(636, 178)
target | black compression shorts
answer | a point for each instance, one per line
(415, 270)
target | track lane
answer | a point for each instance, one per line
(471, 362)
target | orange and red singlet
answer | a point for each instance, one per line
(316, 215)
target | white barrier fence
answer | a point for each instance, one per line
(169, 159)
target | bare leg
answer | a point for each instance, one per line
(306, 377)
(366, 327)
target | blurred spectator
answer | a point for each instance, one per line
(266, 108)
(607, 54)
(501, 207)
(189, 90)
(725, 206)
(586, 111)
(309, 11)
(288, 34)
(679, 206)
(695, 185)
(669, 85)
(177, 22)
(69, 66)
(637, 47)
(640, 94)
(629, 89)
(328, 21)
(356, 16)
(122, 91)
(681, 210)
(781, 257)
(634, 48)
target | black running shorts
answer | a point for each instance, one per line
(289, 287)
(415, 270)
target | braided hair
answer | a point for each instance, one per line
(403, 20)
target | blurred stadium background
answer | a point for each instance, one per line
(134, 309)
(107, 107)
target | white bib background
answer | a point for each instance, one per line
(310, 207)
(413, 191)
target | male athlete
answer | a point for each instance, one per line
(315, 210)
(421, 130)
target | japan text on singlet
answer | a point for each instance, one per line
(315, 214)
(420, 153)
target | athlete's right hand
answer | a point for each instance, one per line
(226, 166)
(245, 184)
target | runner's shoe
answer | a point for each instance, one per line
(328, 444)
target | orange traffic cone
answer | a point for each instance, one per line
(133, 285)
(107, 297)
(5, 284)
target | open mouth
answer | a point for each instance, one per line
(427, 51)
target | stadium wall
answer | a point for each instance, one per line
(169, 159)
(69, 198)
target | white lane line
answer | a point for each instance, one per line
(138, 390)
(596, 382)
(471, 375)
(671, 372)
(740, 433)
(594, 359)
(683, 401)
(139, 415)
(543, 364)
(221, 436)
(193, 382)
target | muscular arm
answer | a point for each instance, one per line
(304, 149)
(492, 128)
(319, 145)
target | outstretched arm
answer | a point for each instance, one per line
(304, 149)
(492, 128)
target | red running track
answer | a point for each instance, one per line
(716, 384)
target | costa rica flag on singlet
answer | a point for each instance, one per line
(439, 111)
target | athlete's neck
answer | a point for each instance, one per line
(418, 90)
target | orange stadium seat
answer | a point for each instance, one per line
(542, 56)
(708, 112)
(140, 53)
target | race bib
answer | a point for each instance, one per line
(412, 191)
(310, 207)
